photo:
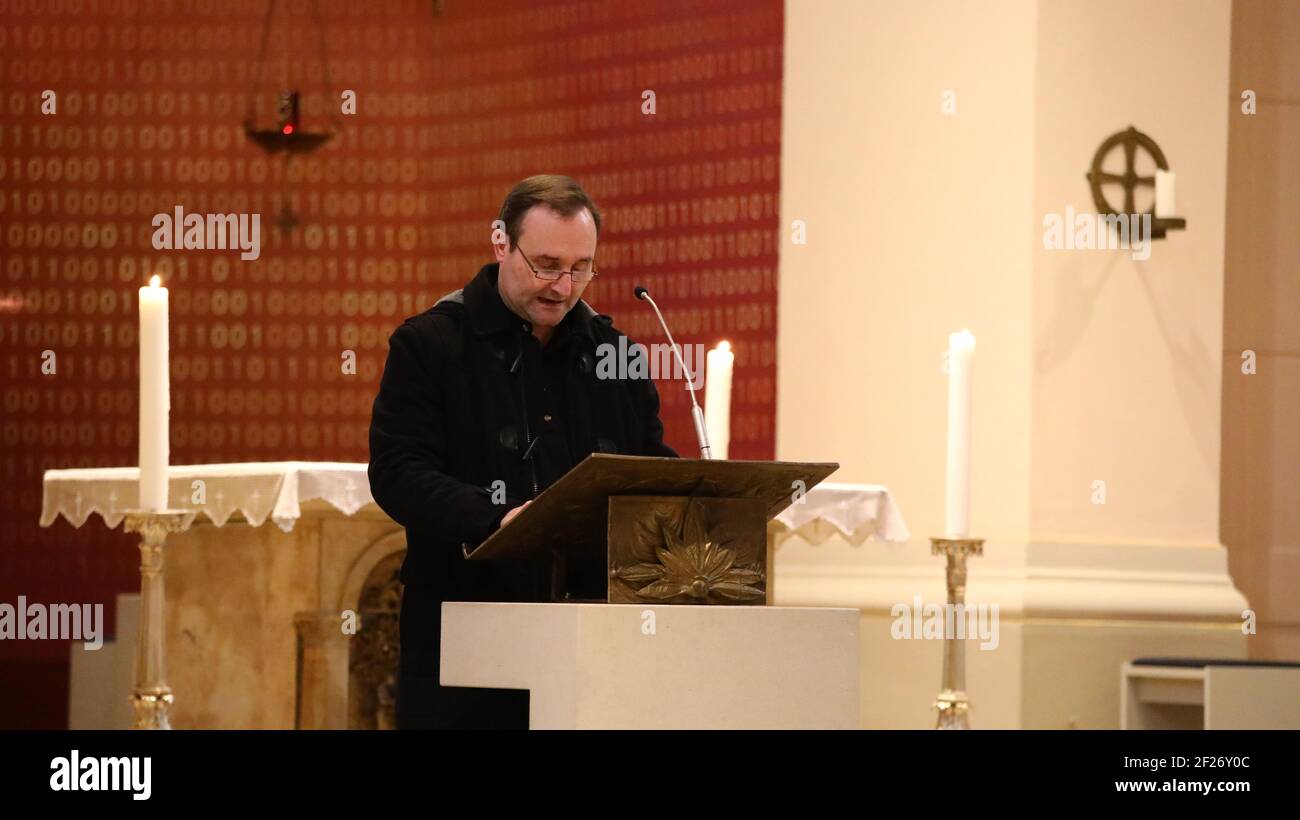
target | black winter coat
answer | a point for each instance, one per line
(450, 419)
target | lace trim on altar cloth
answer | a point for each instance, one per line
(856, 512)
(258, 491)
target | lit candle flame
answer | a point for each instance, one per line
(155, 281)
(724, 346)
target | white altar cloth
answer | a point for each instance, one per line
(258, 490)
(857, 512)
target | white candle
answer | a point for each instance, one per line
(717, 398)
(1164, 194)
(961, 351)
(155, 396)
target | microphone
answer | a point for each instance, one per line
(706, 452)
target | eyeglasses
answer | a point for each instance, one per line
(550, 275)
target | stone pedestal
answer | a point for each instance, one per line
(632, 666)
(256, 617)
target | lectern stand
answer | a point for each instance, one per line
(683, 638)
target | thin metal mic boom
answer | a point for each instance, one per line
(706, 452)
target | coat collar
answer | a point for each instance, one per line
(488, 314)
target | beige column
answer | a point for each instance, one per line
(1261, 344)
(923, 145)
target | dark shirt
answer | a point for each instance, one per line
(542, 370)
(554, 457)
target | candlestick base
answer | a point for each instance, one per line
(152, 697)
(952, 703)
(150, 707)
(953, 708)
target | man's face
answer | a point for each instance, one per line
(550, 241)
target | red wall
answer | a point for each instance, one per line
(453, 106)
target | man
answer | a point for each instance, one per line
(495, 387)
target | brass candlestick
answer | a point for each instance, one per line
(952, 702)
(152, 697)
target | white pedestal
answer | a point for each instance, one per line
(611, 666)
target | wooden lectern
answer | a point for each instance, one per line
(669, 530)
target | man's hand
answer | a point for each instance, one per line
(506, 520)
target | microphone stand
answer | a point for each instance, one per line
(706, 452)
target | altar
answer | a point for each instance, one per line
(282, 597)
(260, 588)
